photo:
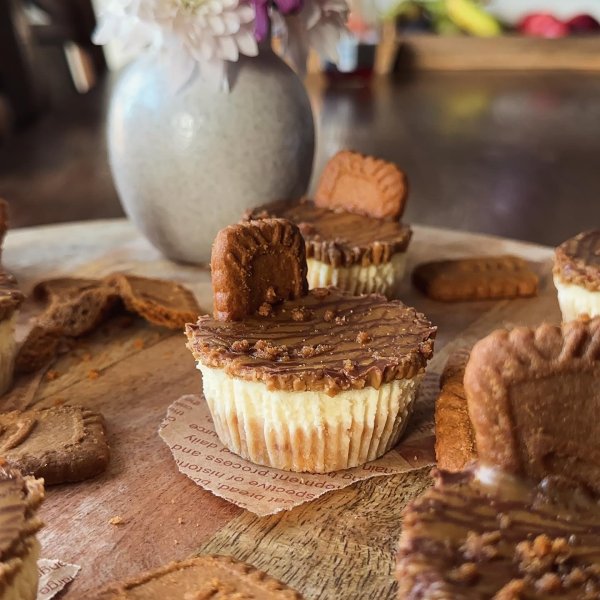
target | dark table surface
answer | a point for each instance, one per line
(512, 154)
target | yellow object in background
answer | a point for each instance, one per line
(472, 18)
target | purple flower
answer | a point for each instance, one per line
(261, 8)
(261, 23)
(287, 7)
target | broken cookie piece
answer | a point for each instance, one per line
(161, 302)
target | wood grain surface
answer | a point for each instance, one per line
(341, 545)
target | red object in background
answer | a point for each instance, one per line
(583, 24)
(543, 25)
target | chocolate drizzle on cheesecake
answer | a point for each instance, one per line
(325, 341)
(337, 237)
(485, 534)
(577, 260)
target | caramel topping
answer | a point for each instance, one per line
(578, 260)
(369, 341)
(337, 237)
(484, 534)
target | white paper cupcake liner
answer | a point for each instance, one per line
(357, 279)
(307, 431)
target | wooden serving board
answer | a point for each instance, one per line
(341, 545)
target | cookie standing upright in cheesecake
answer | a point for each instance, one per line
(577, 275)
(316, 381)
(524, 521)
(354, 238)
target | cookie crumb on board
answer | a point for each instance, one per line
(117, 520)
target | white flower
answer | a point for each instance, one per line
(320, 24)
(193, 35)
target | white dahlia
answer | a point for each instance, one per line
(193, 35)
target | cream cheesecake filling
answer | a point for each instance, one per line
(575, 300)
(7, 352)
(308, 431)
(357, 279)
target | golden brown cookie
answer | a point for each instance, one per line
(454, 435)
(483, 278)
(534, 400)
(257, 264)
(160, 302)
(60, 444)
(204, 577)
(363, 185)
(79, 309)
(75, 307)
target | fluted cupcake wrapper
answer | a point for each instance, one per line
(575, 300)
(358, 279)
(307, 431)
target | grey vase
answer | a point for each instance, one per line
(188, 164)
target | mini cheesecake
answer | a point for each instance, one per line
(577, 275)
(523, 522)
(352, 229)
(20, 498)
(315, 382)
(481, 534)
(10, 301)
(357, 253)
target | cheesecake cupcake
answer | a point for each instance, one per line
(10, 301)
(303, 381)
(523, 522)
(577, 275)
(352, 229)
(20, 498)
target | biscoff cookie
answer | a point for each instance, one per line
(161, 302)
(59, 444)
(75, 307)
(454, 435)
(533, 397)
(362, 185)
(255, 265)
(214, 577)
(482, 278)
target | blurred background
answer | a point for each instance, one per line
(493, 110)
